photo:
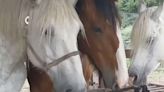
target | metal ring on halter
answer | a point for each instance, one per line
(27, 20)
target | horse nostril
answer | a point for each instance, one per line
(115, 86)
(69, 90)
(135, 78)
(132, 79)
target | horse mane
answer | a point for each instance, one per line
(141, 30)
(109, 10)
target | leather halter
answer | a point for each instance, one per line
(54, 62)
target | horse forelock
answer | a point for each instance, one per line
(109, 10)
(52, 16)
(54, 13)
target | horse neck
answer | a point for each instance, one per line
(10, 23)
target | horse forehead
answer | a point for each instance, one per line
(70, 27)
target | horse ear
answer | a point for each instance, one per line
(156, 14)
(37, 2)
(142, 6)
(161, 18)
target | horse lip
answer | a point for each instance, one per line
(131, 80)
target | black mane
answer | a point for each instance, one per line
(108, 9)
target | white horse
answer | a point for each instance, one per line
(52, 33)
(12, 46)
(148, 44)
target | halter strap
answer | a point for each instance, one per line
(54, 62)
(59, 60)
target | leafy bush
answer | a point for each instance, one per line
(128, 5)
(153, 2)
(127, 18)
(131, 6)
(126, 35)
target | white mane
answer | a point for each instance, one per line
(141, 29)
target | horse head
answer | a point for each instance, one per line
(147, 42)
(52, 43)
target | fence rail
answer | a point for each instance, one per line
(151, 88)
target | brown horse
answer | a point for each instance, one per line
(38, 79)
(87, 69)
(103, 44)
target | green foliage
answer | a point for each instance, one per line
(127, 18)
(131, 6)
(128, 5)
(126, 35)
(153, 2)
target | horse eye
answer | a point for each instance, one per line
(97, 29)
(46, 32)
(150, 40)
(49, 31)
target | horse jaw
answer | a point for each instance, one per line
(122, 72)
(140, 70)
(69, 69)
(16, 79)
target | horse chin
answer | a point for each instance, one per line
(67, 77)
(131, 81)
(137, 80)
(140, 82)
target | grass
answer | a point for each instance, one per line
(157, 76)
